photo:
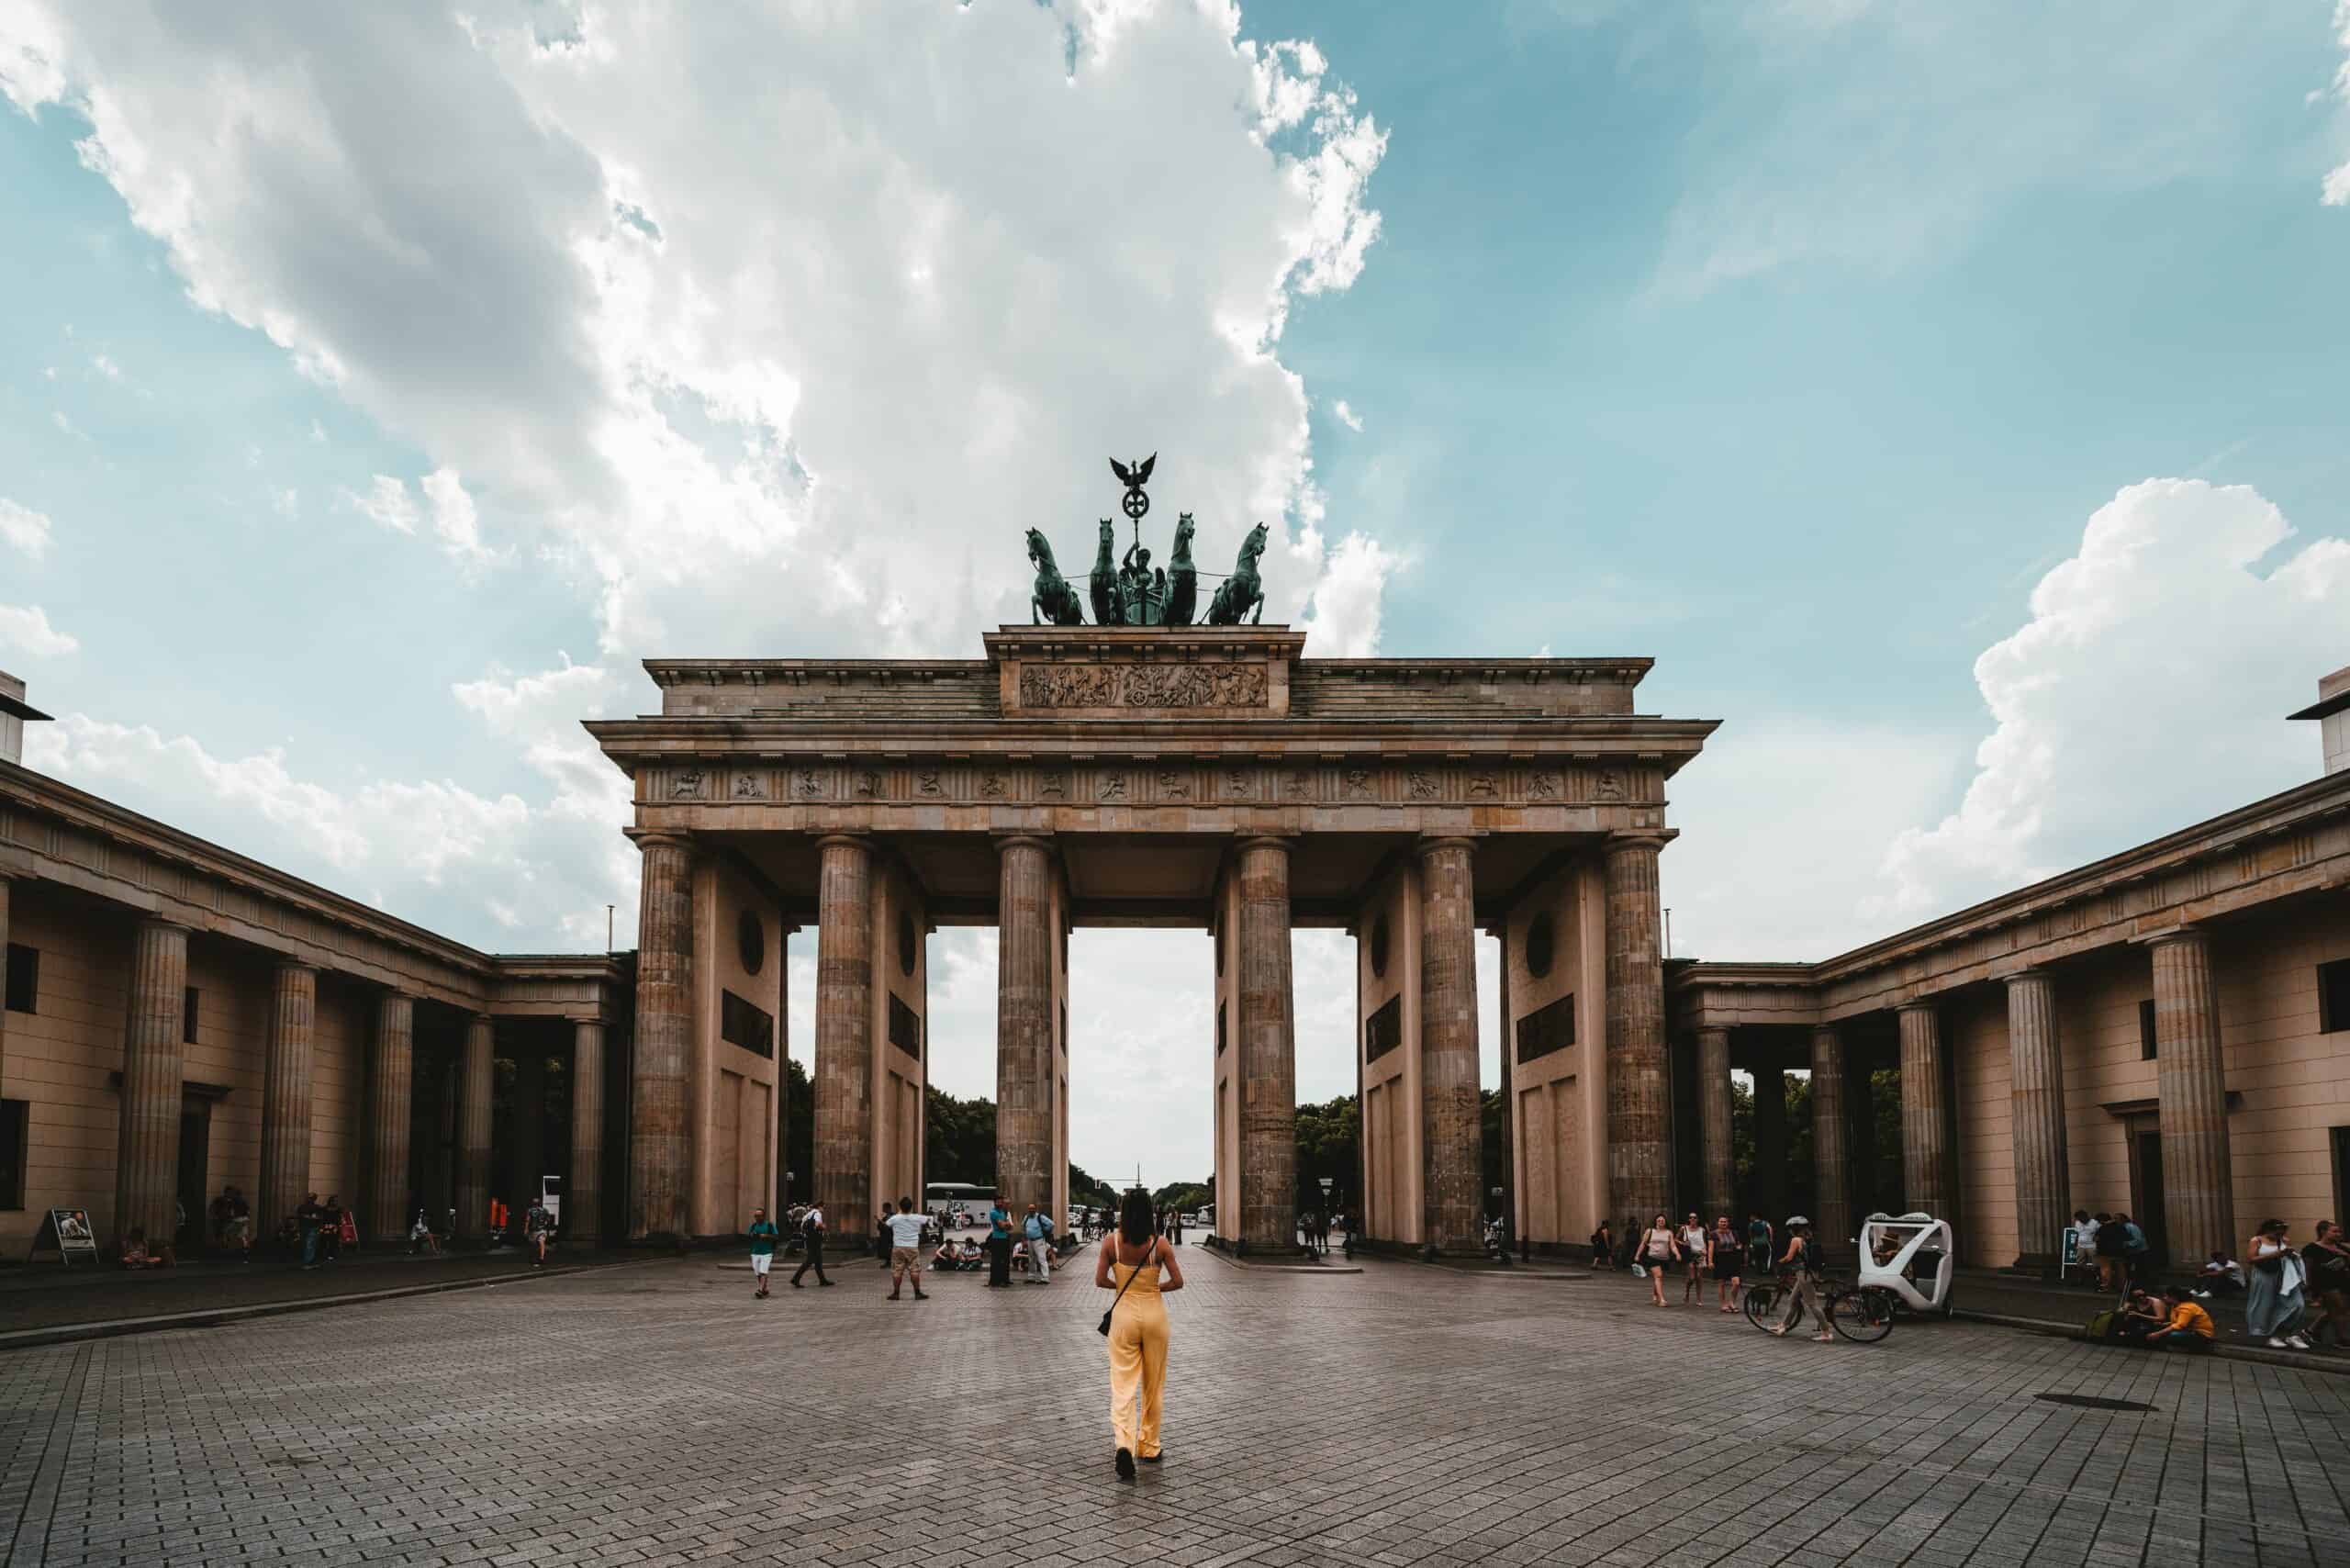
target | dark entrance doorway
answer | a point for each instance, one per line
(195, 1154)
(2146, 1193)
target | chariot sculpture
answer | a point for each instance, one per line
(1128, 591)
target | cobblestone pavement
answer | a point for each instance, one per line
(656, 1414)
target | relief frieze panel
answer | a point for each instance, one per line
(1157, 686)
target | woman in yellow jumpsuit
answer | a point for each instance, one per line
(1139, 1264)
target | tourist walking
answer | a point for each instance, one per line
(1142, 1268)
(1037, 1229)
(2328, 1261)
(1692, 1237)
(1762, 1250)
(1800, 1267)
(812, 1231)
(1602, 1246)
(539, 1226)
(2274, 1302)
(1726, 1254)
(762, 1236)
(1658, 1252)
(905, 1249)
(999, 1246)
(331, 1218)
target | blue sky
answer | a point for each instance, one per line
(1947, 397)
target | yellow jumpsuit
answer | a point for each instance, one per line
(1137, 1357)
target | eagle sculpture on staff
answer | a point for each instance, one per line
(1134, 475)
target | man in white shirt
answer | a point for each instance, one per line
(1037, 1231)
(905, 1249)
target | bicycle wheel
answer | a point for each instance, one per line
(1865, 1315)
(1763, 1305)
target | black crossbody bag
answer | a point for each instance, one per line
(1121, 1295)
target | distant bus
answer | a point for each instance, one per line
(943, 1197)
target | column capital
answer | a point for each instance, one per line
(1279, 841)
(1918, 1004)
(1705, 1029)
(855, 840)
(296, 966)
(2185, 931)
(1038, 840)
(2030, 972)
(1434, 843)
(164, 922)
(1640, 838)
(659, 837)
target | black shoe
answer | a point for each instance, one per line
(1152, 1458)
(826, 1283)
(893, 1296)
(797, 1285)
(1125, 1465)
(922, 1295)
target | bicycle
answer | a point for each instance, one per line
(1863, 1316)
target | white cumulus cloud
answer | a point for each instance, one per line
(21, 528)
(25, 630)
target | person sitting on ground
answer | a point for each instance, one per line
(420, 1238)
(2188, 1327)
(2140, 1318)
(134, 1250)
(2222, 1273)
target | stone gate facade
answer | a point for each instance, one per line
(1204, 777)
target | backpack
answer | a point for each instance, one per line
(2110, 1242)
(2101, 1325)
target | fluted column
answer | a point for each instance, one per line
(1713, 1123)
(148, 1147)
(1452, 1119)
(473, 1129)
(390, 1109)
(2036, 1069)
(844, 1086)
(1024, 1025)
(1831, 1178)
(1925, 1114)
(2191, 1082)
(583, 1188)
(660, 1142)
(1639, 1107)
(285, 1097)
(1268, 1045)
(4, 978)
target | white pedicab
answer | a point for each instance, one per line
(1909, 1256)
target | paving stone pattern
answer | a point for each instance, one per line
(656, 1414)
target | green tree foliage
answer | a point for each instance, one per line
(799, 1130)
(1090, 1190)
(1329, 1143)
(1185, 1195)
(958, 1139)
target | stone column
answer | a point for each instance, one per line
(2036, 1100)
(147, 1160)
(473, 1129)
(843, 1180)
(1770, 1144)
(1925, 1116)
(4, 978)
(1268, 1045)
(660, 1142)
(285, 1098)
(1452, 1119)
(2191, 1082)
(1832, 1177)
(390, 1110)
(1024, 1025)
(583, 1189)
(1640, 1105)
(1713, 1124)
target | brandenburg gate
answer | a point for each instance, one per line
(1156, 774)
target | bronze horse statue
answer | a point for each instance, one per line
(1105, 585)
(1052, 597)
(1182, 577)
(1243, 589)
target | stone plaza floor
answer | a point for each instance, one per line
(654, 1413)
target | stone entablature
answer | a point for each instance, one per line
(1163, 730)
(52, 832)
(2292, 844)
